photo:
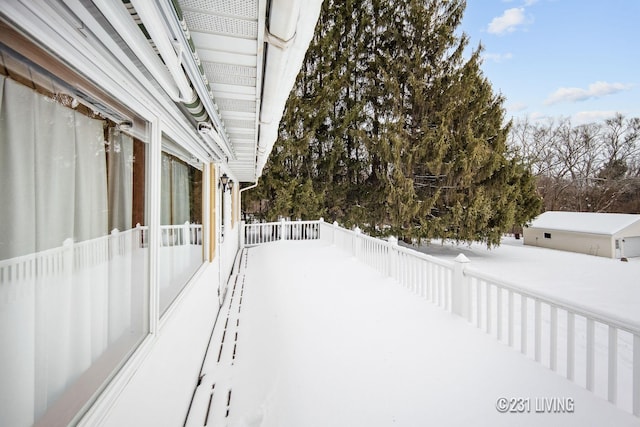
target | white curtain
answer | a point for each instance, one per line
(165, 191)
(54, 188)
(178, 257)
(17, 171)
(180, 193)
(175, 193)
(120, 190)
(49, 154)
(120, 160)
(16, 298)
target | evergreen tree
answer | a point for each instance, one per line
(391, 128)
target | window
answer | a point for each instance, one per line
(181, 251)
(73, 253)
(547, 235)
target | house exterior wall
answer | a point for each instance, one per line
(163, 359)
(586, 243)
(172, 364)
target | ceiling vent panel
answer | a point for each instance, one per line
(247, 9)
(240, 105)
(221, 25)
(240, 124)
(230, 74)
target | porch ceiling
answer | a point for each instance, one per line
(228, 38)
(250, 65)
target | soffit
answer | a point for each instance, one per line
(227, 36)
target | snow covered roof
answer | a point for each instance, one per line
(585, 222)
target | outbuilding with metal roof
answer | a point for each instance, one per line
(609, 235)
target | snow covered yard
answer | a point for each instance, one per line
(313, 337)
(602, 285)
(610, 285)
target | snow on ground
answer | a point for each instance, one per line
(324, 340)
(609, 285)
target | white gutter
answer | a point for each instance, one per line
(289, 33)
(280, 35)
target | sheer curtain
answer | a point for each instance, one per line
(17, 297)
(180, 190)
(175, 191)
(120, 161)
(165, 191)
(179, 255)
(52, 321)
(120, 193)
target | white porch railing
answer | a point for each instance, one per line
(255, 234)
(546, 328)
(183, 234)
(73, 256)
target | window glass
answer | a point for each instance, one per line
(73, 253)
(181, 251)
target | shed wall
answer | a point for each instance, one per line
(630, 247)
(592, 244)
(631, 231)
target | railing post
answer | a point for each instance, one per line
(68, 258)
(114, 244)
(333, 232)
(635, 393)
(282, 229)
(243, 236)
(356, 242)
(459, 292)
(320, 225)
(612, 387)
(186, 233)
(393, 255)
(138, 236)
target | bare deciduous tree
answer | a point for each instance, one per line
(593, 167)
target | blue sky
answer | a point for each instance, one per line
(550, 58)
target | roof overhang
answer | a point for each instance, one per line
(250, 52)
(220, 70)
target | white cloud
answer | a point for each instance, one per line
(530, 2)
(537, 116)
(516, 107)
(508, 22)
(585, 117)
(595, 90)
(497, 57)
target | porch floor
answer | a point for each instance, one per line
(308, 336)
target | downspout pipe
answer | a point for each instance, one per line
(242, 190)
(254, 185)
